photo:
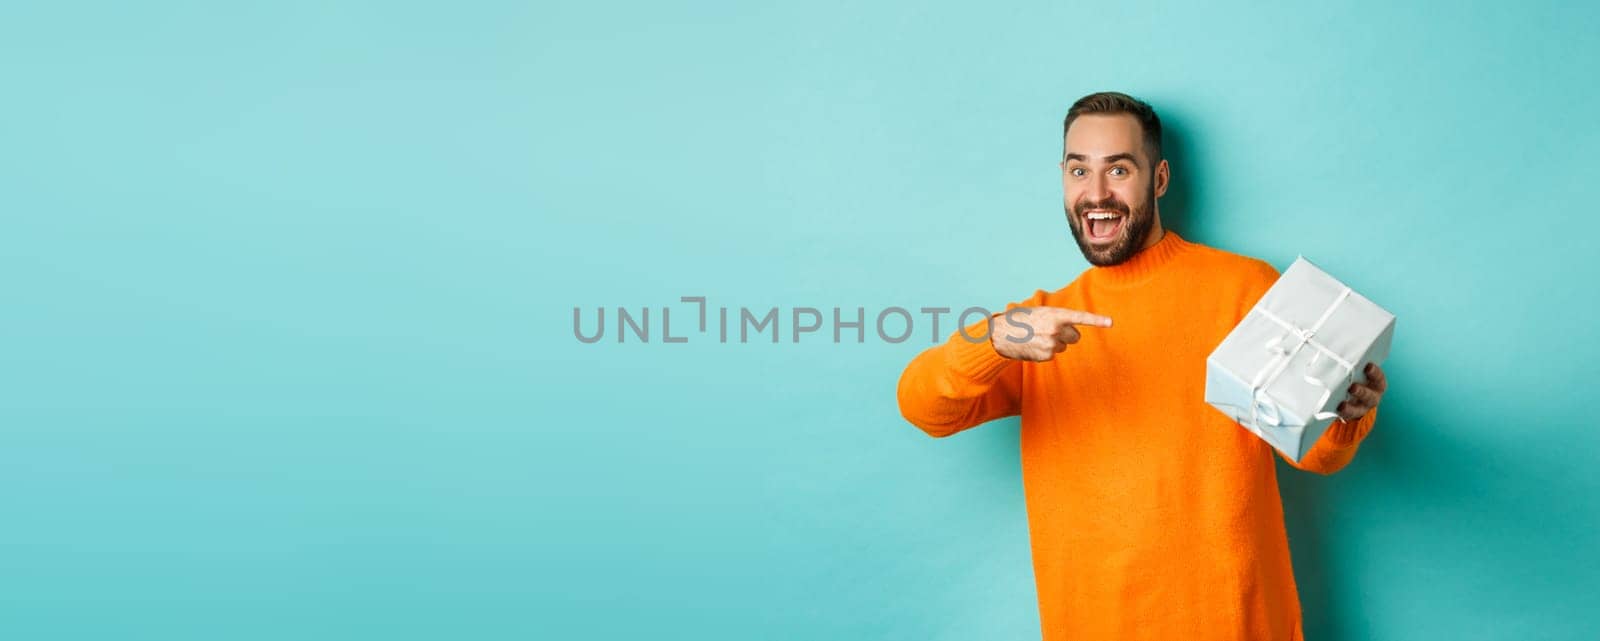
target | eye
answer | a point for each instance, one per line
(1076, 171)
(1119, 170)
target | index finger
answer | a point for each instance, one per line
(1076, 317)
(1375, 378)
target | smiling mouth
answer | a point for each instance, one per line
(1103, 226)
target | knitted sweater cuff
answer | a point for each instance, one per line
(1345, 433)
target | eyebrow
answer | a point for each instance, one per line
(1112, 158)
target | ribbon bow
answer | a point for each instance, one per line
(1263, 409)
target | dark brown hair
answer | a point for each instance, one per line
(1113, 102)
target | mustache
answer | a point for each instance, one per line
(1109, 204)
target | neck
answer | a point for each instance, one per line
(1157, 232)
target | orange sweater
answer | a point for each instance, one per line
(1151, 514)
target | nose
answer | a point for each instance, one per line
(1098, 189)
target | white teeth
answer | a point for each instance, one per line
(1102, 215)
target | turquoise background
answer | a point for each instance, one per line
(288, 294)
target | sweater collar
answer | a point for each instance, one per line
(1144, 264)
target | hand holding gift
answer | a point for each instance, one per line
(1306, 354)
(1364, 397)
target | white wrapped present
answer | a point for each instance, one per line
(1283, 371)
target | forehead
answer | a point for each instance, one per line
(1097, 135)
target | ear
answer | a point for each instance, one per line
(1163, 176)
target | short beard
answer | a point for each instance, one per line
(1135, 228)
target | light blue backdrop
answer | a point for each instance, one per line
(288, 294)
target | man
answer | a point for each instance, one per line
(1151, 515)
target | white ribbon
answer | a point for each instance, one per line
(1282, 356)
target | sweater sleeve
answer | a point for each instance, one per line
(962, 383)
(1337, 446)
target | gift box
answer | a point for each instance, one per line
(1283, 371)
